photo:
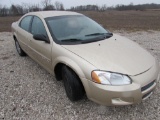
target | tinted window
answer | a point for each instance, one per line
(38, 27)
(25, 23)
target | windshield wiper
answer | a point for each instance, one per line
(95, 34)
(106, 36)
(71, 40)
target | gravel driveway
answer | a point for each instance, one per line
(28, 92)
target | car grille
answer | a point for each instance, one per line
(144, 96)
(147, 86)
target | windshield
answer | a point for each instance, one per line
(76, 28)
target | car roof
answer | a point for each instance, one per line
(46, 14)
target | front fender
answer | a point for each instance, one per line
(70, 63)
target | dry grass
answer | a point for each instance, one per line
(5, 23)
(112, 20)
(127, 20)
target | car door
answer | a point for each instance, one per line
(23, 32)
(41, 51)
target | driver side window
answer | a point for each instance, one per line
(38, 27)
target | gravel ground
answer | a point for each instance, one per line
(28, 92)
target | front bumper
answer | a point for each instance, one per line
(119, 95)
(140, 89)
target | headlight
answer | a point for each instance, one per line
(108, 78)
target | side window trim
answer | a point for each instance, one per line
(30, 25)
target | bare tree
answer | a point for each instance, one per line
(4, 11)
(0, 9)
(72, 8)
(59, 5)
(20, 9)
(16, 10)
(47, 5)
(85, 8)
(26, 7)
(103, 8)
(30, 8)
(35, 7)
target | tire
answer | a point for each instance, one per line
(19, 49)
(73, 86)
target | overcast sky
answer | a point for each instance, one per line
(69, 3)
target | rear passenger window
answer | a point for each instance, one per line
(25, 23)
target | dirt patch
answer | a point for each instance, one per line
(1, 40)
(5, 58)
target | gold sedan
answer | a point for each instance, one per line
(108, 68)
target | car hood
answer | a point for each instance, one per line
(116, 54)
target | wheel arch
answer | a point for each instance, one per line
(14, 36)
(60, 61)
(76, 69)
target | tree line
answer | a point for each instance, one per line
(136, 7)
(48, 5)
(15, 10)
(89, 8)
(118, 7)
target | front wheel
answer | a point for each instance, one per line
(19, 49)
(73, 86)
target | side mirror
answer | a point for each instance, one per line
(41, 37)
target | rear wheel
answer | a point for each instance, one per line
(73, 86)
(19, 49)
